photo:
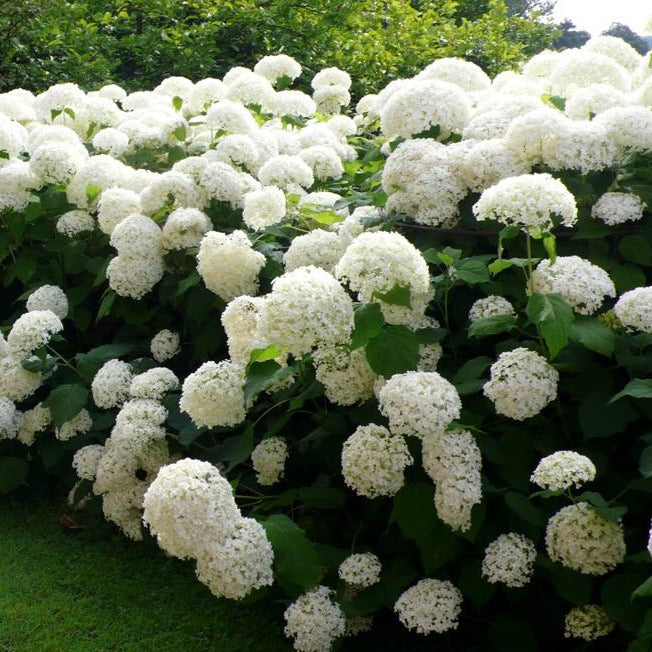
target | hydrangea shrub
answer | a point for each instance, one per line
(391, 365)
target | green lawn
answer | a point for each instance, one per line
(92, 590)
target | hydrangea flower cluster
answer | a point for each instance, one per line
(509, 559)
(563, 470)
(430, 606)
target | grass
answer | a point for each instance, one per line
(91, 590)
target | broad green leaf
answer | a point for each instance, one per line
(472, 270)
(262, 376)
(550, 245)
(65, 402)
(368, 323)
(554, 317)
(177, 102)
(521, 506)
(600, 419)
(89, 363)
(636, 248)
(93, 191)
(297, 566)
(188, 282)
(40, 364)
(394, 351)
(600, 505)
(643, 591)
(492, 325)
(241, 451)
(263, 355)
(637, 388)
(594, 335)
(24, 268)
(505, 263)
(105, 305)
(468, 378)
(398, 295)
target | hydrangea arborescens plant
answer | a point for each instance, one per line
(389, 364)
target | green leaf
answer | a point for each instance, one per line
(472, 271)
(394, 351)
(507, 233)
(521, 506)
(601, 506)
(105, 305)
(600, 419)
(263, 355)
(594, 335)
(468, 378)
(187, 283)
(93, 191)
(505, 263)
(89, 363)
(398, 295)
(241, 451)
(645, 462)
(65, 402)
(554, 100)
(492, 325)
(368, 323)
(40, 364)
(637, 249)
(177, 102)
(24, 268)
(637, 388)
(554, 317)
(262, 375)
(643, 591)
(13, 473)
(297, 566)
(550, 245)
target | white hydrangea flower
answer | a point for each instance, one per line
(419, 403)
(630, 127)
(110, 386)
(111, 141)
(331, 77)
(421, 183)
(618, 208)
(314, 621)
(323, 161)
(286, 171)
(376, 262)
(465, 74)
(306, 308)
(263, 208)
(114, 205)
(634, 309)
(240, 321)
(491, 306)
(522, 383)
(165, 345)
(563, 470)
(49, 297)
(360, 570)
(79, 424)
(184, 228)
(423, 104)
(8, 422)
(240, 564)
(489, 161)
(230, 117)
(268, 459)
(17, 382)
(454, 463)
(582, 539)
(32, 421)
(134, 276)
(430, 606)
(615, 48)
(581, 283)
(153, 383)
(86, 461)
(273, 67)
(99, 172)
(228, 264)
(588, 623)
(581, 68)
(293, 103)
(509, 559)
(57, 163)
(585, 103)
(173, 187)
(373, 461)
(346, 376)
(320, 248)
(189, 508)
(540, 65)
(31, 331)
(74, 223)
(331, 99)
(358, 625)
(528, 200)
(214, 395)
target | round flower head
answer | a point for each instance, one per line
(214, 395)
(582, 539)
(314, 621)
(184, 228)
(630, 127)
(588, 623)
(563, 470)
(32, 421)
(153, 383)
(581, 68)
(56, 163)
(361, 570)
(615, 48)
(634, 309)
(110, 386)
(491, 306)
(114, 205)
(419, 403)
(263, 208)
(306, 308)
(285, 171)
(32, 331)
(522, 383)
(618, 208)
(527, 133)
(330, 99)
(489, 161)
(454, 463)
(581, 283)
(465, 74)
(8, 421)
(430, 606)
(49, 297)
(86, 461)
(17, 382)
(373, 461)
(529, 200)
(111, 141)
(240, 321)
(228, 264)
(268, 459)
(509, 560)
(375, 262)
(165, 345)
(274, 67)
(240, 564)
(79, 424)
(74, 223)
(190, 508)
(346, 375)
(331, 77)
(293, 103)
